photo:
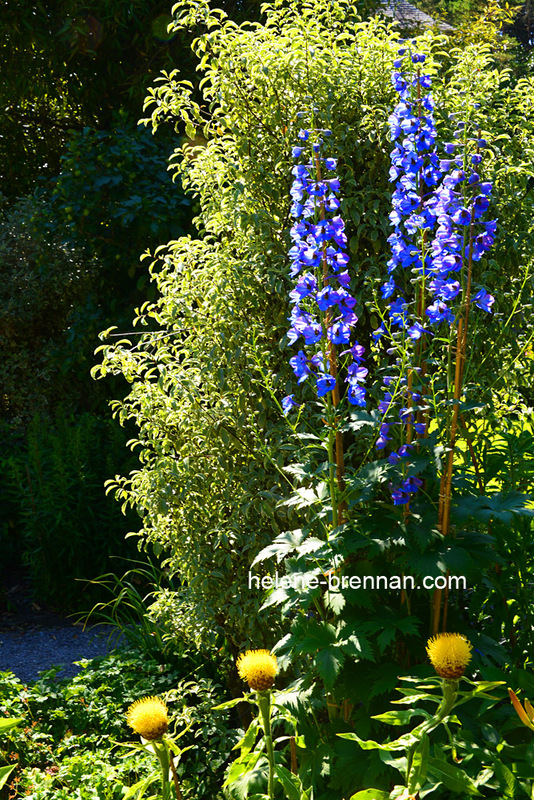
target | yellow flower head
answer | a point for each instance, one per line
(449, 654)
(258, 668)
(148, 717)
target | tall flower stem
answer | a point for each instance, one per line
(446, 486)
(264, 703)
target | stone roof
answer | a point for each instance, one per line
(408, 16)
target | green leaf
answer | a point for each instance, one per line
(499, 506)
(452, 777)
(329, 661)
(286, 543)
(8, 723)
(401, 717)
(231, 703)
(247, 775)
(370, 794)
(507, 780)
(419, 767)
(141, 786)
(291, 783)
(5, 772)
(408, 740)
(247, 742)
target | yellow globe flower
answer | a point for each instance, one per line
(148, 717)
(449, 654)
(257, 668)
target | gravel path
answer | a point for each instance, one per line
(28, 652)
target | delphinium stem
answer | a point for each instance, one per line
(444, 511)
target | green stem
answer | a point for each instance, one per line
(450, 695)
(332, 476)
(264, 703)
(163, 758)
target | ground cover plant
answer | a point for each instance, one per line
(66, 742)
(344, 497)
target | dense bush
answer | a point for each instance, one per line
(211, 443)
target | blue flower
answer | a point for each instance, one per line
(325, 384)
(323, 305)
(356, 395)
(288, 403)
(339, 333)
(415, 331)
(484, 300)
(299, 363)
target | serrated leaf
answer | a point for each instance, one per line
(286, 543)
(499, 506)
(329, 661)
(335, 601)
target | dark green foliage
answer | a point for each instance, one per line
(48, 312)
(114, 197)
(67, 530)
(70, 264)
(67, 66)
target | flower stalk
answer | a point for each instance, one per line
(264, 704)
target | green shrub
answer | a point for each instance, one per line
(214, 453)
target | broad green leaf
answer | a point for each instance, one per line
(5, 772)
(291, 783)
(419, 766)
(248, 775)
(370, 794)
(454, 778)
(507, 780)
(499, 506)
(8, 723)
